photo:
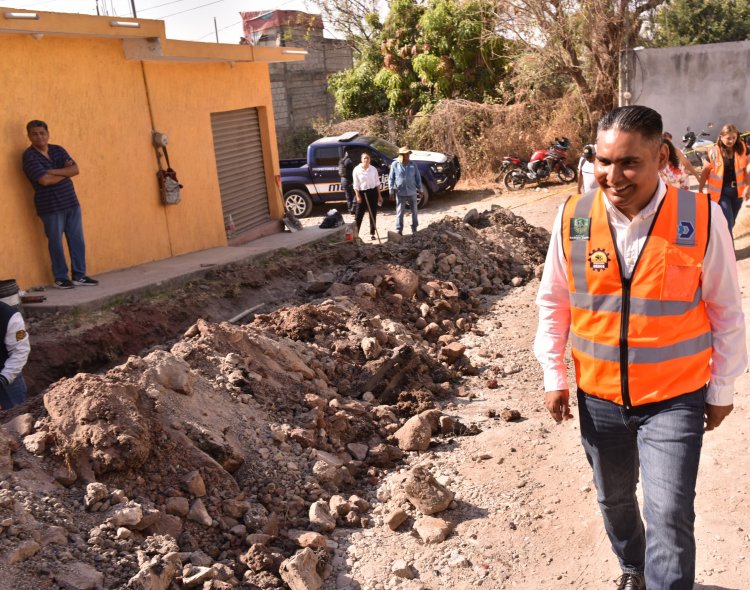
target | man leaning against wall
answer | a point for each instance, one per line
(49, 169)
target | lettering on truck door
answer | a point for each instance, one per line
(324, 170)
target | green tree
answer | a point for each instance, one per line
(694, 22)
(422, 54)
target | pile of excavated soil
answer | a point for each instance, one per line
(232, 456)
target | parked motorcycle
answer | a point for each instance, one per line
(510, 162)
(696, 147)
(542, 164)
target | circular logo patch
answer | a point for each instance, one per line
(599, 260)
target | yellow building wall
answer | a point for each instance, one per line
(96, 105)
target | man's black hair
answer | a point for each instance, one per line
(36, 123)
(634, 118)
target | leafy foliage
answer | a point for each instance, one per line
(425, 53)
(693, 22)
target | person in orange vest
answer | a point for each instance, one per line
(727, 172)
(640, 278)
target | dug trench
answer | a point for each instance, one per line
(240, 456)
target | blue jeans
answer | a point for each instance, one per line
(730, 205)
(401, 202)
(70, 223)
(665, 440)
(14, 394)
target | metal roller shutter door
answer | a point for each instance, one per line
(239, 161)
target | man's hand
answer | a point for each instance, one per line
(715, 415)
(557, 404)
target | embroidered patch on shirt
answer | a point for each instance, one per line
(580, 228)
(599, 260)
(20, 335)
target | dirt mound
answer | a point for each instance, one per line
(208, 462)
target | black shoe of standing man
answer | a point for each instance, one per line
(631, 582)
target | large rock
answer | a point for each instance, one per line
(199, 514)
(158, 573)
(22, 425)
(308, 539)
(450, 353)
(320, 517)
(425, 492)
(194, 484)
(127, 516)
(415, 434)
(399, 279)
(95, 492)
(108, 420)
(432, 530)
(300, 571)
(178, 506)
(78, 576)
(36, 443)
(23, 551)
(169, 372)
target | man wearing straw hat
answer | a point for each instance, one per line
(405, 183)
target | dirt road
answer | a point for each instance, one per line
(526, 514)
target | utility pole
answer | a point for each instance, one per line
(216, 30)
(132, 5)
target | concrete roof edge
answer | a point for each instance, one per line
(142, 38)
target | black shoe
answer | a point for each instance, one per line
(63, 284)
(631, 582)
(85, 281)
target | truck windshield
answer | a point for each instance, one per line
(386, 148)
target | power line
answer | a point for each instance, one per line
(160, 5)
(239, 22)
(188, 10)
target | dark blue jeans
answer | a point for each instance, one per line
(70, 223)
(664, 440)
(14, 394)
(401, 202)
(730, 205)
(348, 188)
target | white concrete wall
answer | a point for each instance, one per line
(690, 86)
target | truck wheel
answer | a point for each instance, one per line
(424, 198)
(298, 202)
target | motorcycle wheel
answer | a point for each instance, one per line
(514, 180)
(566, 174)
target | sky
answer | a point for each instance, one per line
(190, 20)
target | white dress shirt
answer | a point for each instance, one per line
(719, 288)
(365, 179)
(16, 341)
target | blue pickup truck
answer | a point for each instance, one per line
(316, 179)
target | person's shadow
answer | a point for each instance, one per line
(711, 587)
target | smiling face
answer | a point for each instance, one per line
(365, 161)
(627, 168)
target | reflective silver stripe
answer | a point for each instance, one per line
(579, 248)
(642, 355)
(686, 205)
(638, 306)
(713, 176)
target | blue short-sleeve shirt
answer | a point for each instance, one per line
(55, 197)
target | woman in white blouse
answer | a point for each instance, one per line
(367, 186)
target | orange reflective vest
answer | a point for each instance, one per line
(646, 338)
(716, 175)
